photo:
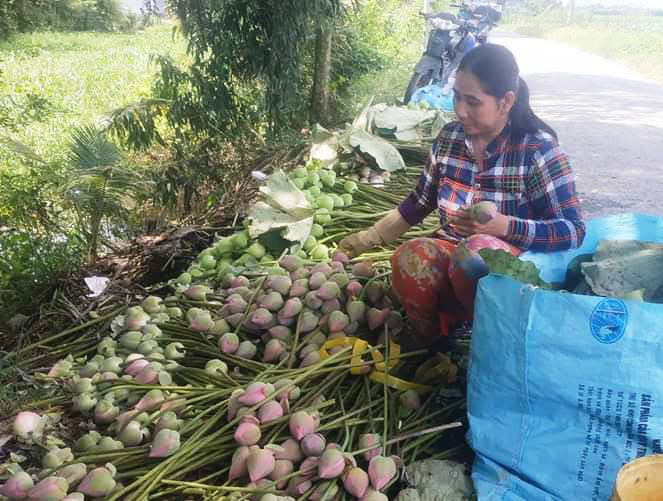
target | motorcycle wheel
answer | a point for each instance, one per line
(417, 81)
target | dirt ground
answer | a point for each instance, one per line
(609, 119)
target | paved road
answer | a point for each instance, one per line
(609, 119)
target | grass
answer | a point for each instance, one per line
(634, 39)
(51, 82)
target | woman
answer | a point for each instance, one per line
(497, 151)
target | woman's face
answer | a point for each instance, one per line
(481, 114)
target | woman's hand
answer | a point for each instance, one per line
(465, 225)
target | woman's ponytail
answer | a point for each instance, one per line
(497, 71)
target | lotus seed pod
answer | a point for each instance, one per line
(312, 300)
(150, 401)
(99, 482)
(297, 486)
(363, 269)
(310, 359)
(17, 486)
(282, 468)
(246, 350)
(281, 332)
(238, 463)
(254, 393)
(332, 464)
(49, 489)
(247, 433)
(229, 343)
(269, 411)
(260, 463)
(308, 322)
(290, 262)
(299, 288)
(165, 444)
(273, 350)
(380, 471)
(337, 321)
(301, 423)
(72, 473)
(28, 424)
(61, 368)
(376, 318)
(370, 440)
(324, 491)
(372, 495)
(313, 444)
(309, 467)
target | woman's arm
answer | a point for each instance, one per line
(551, 191)
(423, 200)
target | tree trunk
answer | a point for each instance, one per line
(320, 96)
(572, 8)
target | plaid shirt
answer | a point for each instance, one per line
(530, 180)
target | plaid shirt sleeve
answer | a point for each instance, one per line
(557, 223)
(423, 200)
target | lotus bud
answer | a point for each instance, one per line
(236, 304)
(376, 318)
(291, 451)
(105, 412)
(372, 495)
(61, 368)
(273, 350)
(410, 400)
(262, 317)
(380, 471)
(229, 343)
(353, 289)
(149, 375)
(136, 320)
(297, 486)
(49, 489)
(172, 351)
(301, 423)
(282, 468)
(246, 350)
(309, 467)
(83, 385)
(395, 322)
(150, 401)
(233, 404)
(340, 257)
(165, 444)
(332, 464)
(280, 332)
(152, 304)
(197, 292)
(316, 280)
(89, 370)
(260, 463)
(74, 496)
(240, 281)
(147, 346)
(324, 491)
(87, 441)
(130, 340)
(308, 322)
(329, 290)
(220, 327)
(192, 313)
(17, 486)
(337, 321)
(312, 300)
(290, 262)
(273, 301)
(99, 482)
(370, 440)
(374, 292)
(243, 291)
(254, 393)
(248, 432)
(167, 421)
(269, 411)
(72, 473)
(112, 364)
(136, 366)
(132, 434)
(313, 444)
(238, 463)
(299, 288)
(201, 323)
(292, 307)
(341, 278)
(28, 424)
(216, 367)
(311, 358)
(330, 306)
(84, 402)
(363, 269)
(235, 319)
(107, 444)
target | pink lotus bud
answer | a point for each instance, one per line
(353, 289)
(337, 321)
(329, 290)
(332, 464)
(363, 269)
(61, 368)
(410, 400)
(229, 343)
(273, 350)
(260, 464)
(329, 306)
(105, 412)
(291, 451)
(197, 292)
(136, 320)
(202, 322)
(299, 288)
(239, 281)
(269, 411)
(17, 486)
(309, 467)
(49, 489)
(149, 375)
(273, 301)
(254, 393)
(313, 444)
(324, 491)
(72, 473)
(349, 460)
(279, 283)
(292, 307)
(173, 404)
(247, 433)
(376, 318)
(290, 262)
(27, 424)
(246, 350)
(167, 421)
(337, 267)
(136, 366)
(150, 401)
(238, 463)
(236, 304)
(262, 317)
(311, 358)
(356, 310)
(301, 424)
(355, 481)
(340, 257)
(370, 440)
(282, 468)
(297, 486)
(323, 268)
(99, 482)
(372, 495)
(380, 471)
(124, 419)
(165, 444)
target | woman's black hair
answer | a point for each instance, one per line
(497, 71)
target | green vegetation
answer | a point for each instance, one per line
(633, 38)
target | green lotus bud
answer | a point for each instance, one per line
(57, 457)
(152, 304)
(165, 444)
(88, 441)
(172, 351)
(84, 402)
(112, 364)
(132, 434)
(107, 444)
(49, 489)
(99, 482)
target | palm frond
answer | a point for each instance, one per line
(21, 149)
(91, 149)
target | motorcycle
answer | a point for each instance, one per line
(450, 38)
